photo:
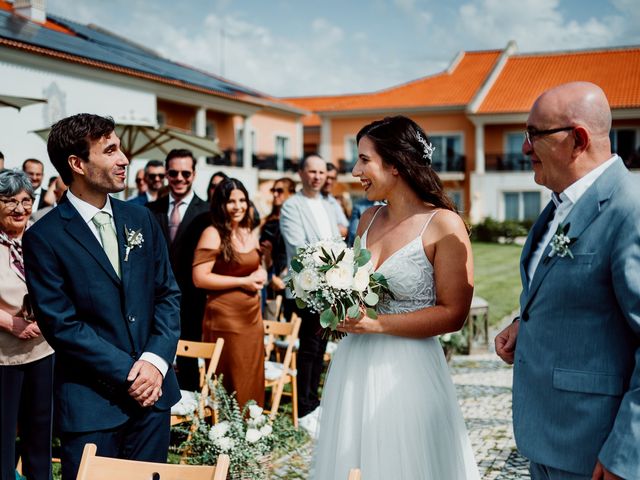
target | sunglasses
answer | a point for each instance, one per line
(160, 176)
(279, 191)
(186, 174)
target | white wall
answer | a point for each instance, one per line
(487, 192)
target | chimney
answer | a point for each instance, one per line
(34, 10)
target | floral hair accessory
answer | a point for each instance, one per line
(427, 148)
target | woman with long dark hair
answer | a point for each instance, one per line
(389, 405)
(227, 263)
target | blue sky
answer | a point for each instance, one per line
(319, 47)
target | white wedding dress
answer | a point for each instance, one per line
(389, 405)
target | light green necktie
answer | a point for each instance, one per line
(102, 221)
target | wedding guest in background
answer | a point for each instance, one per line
(34, 168)
(274, 249)
(327, 193)
(214, 181)
(149, 183)
(26, 359)
(359, 207)
(227, 264)
(183, 216)
(54, 191)
(576, 345)
(307, 217)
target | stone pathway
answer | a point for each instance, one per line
(483, 384)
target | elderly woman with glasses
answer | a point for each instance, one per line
(26, 360)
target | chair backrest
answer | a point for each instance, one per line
(289, 330)
(354, 474)
(209, 352)
(93, 467)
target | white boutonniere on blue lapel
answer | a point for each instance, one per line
(560, 243)
(134, 239)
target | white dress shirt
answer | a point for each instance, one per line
(564, 204)
(87, 212)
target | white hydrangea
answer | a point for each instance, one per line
(253, 435)
(224, 443)
(218, 430)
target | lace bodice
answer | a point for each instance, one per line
(409, 274)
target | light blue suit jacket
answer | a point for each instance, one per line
(298, 225)
(576, 390)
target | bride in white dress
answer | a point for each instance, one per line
(389, 406)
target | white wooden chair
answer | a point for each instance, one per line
(278, 374)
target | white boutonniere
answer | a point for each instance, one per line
(561, 242)
(134, 239)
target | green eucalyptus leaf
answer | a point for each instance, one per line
(300, 303)
(371, 313)
(371, 298)
(327, 318)
(363, 258)
(353, 311)
(296, 265)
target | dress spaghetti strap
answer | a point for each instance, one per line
(426, 224)
(372, 219)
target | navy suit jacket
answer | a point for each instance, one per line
(196, 219)
(576, 386)
(97, 323)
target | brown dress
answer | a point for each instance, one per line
(234, 315)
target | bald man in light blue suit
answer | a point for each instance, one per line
(575, 348)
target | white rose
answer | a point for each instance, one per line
(316, 257)
(255, 411)
(253, 435)
(308, 280)
(219, 430)
(446, 337)
(266, 430)
(340, 278)
(361, 279)
(225, 443)
(348, 256)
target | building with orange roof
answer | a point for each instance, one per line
(475, 114)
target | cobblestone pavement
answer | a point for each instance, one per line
(483, 385)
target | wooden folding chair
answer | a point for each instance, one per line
(93, 467)
(278, 374)
(354, 474)
(208, 355)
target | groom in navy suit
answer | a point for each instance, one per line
(576, 345)
(99, 276)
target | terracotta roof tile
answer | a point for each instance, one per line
(525, 76)
(454, 88)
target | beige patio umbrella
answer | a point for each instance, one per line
(147, 141)
(19, 102)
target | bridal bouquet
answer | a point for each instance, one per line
(335, 281)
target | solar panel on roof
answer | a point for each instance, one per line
(101, 46)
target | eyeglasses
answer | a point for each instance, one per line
(160, 176)
(530, 135)
(279, 191)
(12, 203)
(186, 174)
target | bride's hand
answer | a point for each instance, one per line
(362, 324)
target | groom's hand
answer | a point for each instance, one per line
(601, 473)
(147, 383)
(506, 342)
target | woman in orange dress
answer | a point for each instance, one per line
(227, 264)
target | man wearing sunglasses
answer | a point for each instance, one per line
(154, 173)
(576, 345)
(183, 216)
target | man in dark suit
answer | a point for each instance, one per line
(106, 301)
(153, 179)
(34, 168)
(183, 216)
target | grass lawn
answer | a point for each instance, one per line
(497, 277)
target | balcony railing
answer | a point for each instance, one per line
(509, 162)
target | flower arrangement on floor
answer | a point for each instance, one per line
(246, 435)
(455, 342)
(336, 281)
